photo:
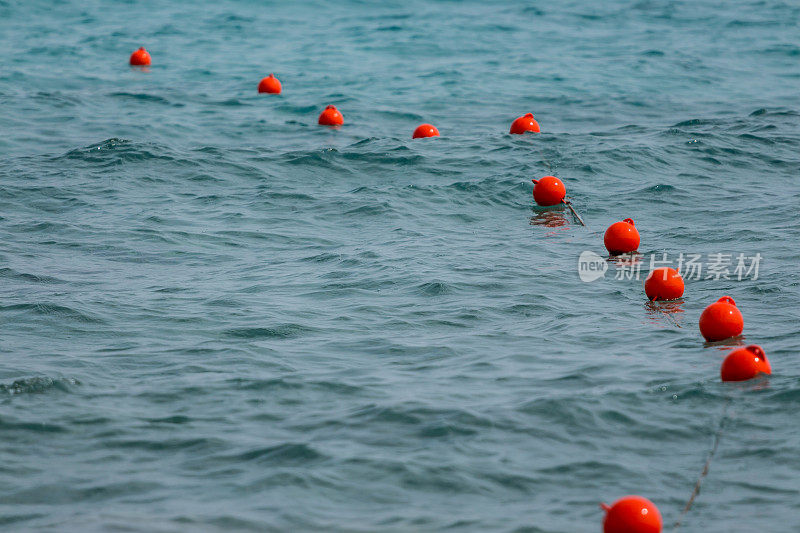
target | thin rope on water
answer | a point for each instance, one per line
(706, 467)
(568, 203)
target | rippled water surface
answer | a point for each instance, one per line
(217, 315)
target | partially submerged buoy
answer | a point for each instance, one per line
(621, 237)
(721, 320)
(331, 117)
(548, 190)
(524, 123)
(270, 85)
(663, 284)
(425, 130)
(140, 57)
(632, 514)
(745, 363)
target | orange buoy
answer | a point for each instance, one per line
(425, 130)
(663, 284)
(549, 191)
(621, 237)
(331, 117)
(632, 514)
(270, 84)
(140, 57)
(721, 320)
(745, 363)
(524, 123)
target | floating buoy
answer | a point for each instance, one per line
(425, 130)
(621, 237)
(632, 514)
(745, 363)
(331, 117)
(721, 320)
(523, 124)
(663, 284)
(549, 190)
(140, 57)
(270, 84)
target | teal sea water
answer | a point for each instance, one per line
(217, 315)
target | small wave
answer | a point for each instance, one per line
(323, 257)
(54, 310)
(283, 331)
(381, 209)
(10, 273)
(58, 99)
(775, 112)
(145, 97)
(322, 158)
(429, 421)
(38, 385)
(165, 444)
(264, 384)
(177, 419)
(281, 454)
(401, 156)
(434, 288)
(695, 122)
(116, 151)
(789, 50)
(660, 188)
(231, 102)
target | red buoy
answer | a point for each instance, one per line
(721, 320)
(632, 514)
(621, 237)
(270, 85)
(549, 191)
(331, 117)
(745, 363)
(663, 284)
(523, 124)
(425, 130)
(140, 57)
